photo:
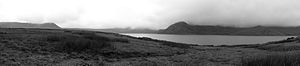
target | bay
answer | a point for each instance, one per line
(211, 39)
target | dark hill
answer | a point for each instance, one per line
(180, 28)
(185, 28)
(28, 25)
(125, 30)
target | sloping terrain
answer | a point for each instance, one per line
(51, 46)
(28, 25)
(125, 30)
(185, 28)
(61, 47)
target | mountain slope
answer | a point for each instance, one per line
(125, 30)
(258, 31)
(180, 28)
(27, 25)
(184, 28)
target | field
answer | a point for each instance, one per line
(62, 47)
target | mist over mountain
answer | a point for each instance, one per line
(154, 14)
(28, 25)
(185, 28)
(126, 30)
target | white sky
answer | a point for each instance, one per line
(155, 14)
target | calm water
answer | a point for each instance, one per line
(212, 39)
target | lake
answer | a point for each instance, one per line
(211, 39)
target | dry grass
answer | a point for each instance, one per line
(86, 41)
(71, 47)
(277, 59)
(291, 46)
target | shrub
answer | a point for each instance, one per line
(81, 44)
(92, 36)
(86, 41)
(96, 37)
(68, 31)
(273, 60)
(279, 48)
(121, 40)
(167, 43)
(53, 38)
(76, 44)
(291, 39)
(178, 45)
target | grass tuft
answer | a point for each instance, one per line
(86, 41)
(273, 60)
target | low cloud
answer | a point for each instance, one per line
(154, 14)
(240, 13)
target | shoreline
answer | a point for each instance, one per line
(62, 47)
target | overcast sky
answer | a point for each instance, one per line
(155, 14)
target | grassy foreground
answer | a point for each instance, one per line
(62, 47)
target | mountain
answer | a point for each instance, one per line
(185, 28)
(27, 25)
(125, 30)
(180, 28)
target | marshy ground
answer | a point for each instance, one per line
(62, 47)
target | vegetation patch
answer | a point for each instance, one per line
(83, 42)
(277, 59)
(55, 38)
(170, 44)
(121, 40)
(178, 45)
(243, 46)
(291, 39)
(131, 54)
(280, 48)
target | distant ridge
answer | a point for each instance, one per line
(185, 28)
(28, 25)
(125, 30)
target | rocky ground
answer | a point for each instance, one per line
(61, 47)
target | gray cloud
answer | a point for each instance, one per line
(232, 12)
(155, 14)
